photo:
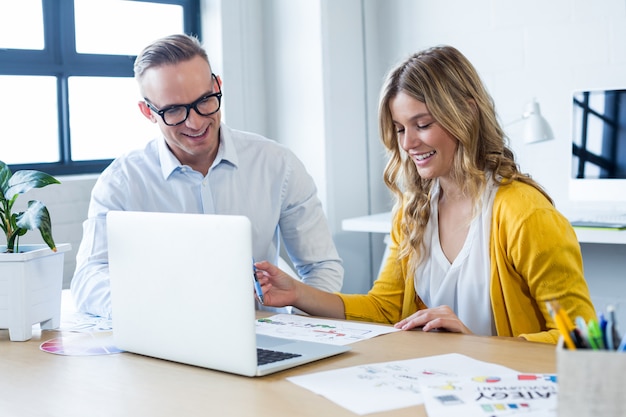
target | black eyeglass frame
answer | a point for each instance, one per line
(189, 106)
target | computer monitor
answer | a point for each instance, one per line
(598, 152)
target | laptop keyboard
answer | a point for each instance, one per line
(265, 356)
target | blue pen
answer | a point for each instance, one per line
(602, 323)
(257, 286)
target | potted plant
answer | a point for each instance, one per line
(31, 276)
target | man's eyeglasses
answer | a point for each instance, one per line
(204, 106)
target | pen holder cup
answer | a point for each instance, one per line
(591, 382)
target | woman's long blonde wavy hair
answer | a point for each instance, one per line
(448, 84)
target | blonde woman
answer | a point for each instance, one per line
(477, 246)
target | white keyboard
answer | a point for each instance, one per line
(604, 221)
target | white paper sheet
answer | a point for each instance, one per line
(386, 386)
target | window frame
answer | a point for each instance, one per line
(609, 160)
(60, 59)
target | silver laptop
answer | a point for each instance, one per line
(182, 290)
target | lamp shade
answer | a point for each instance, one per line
(536, 127)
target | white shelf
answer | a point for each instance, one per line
(381, 223)
(376, 223)
(588, 235)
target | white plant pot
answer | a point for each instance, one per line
(31, 284)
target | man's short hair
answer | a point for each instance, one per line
(169, 50)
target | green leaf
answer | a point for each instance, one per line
(25, 180)
(5, 174)
(37, 216)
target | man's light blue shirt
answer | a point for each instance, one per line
(251, 176)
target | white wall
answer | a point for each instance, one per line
(312, 92)
(293, 79)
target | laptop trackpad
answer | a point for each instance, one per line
(265, 342)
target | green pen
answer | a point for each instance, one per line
(595, 335)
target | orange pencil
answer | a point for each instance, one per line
(568, 322)
(563, 323)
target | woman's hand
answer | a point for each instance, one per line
(437, 318)
(279, 288)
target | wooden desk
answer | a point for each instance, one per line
(35, 383)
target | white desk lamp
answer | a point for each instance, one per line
(536, 127)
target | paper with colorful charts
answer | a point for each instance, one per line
(379, 387)
(334, 332)
(496, 395)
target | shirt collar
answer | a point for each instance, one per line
(169, 163)
(226, 153)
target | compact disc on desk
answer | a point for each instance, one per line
(83, 344)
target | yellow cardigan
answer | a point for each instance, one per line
(535, 257)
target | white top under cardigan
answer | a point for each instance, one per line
(463, 285)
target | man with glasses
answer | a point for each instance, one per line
(200, 165)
